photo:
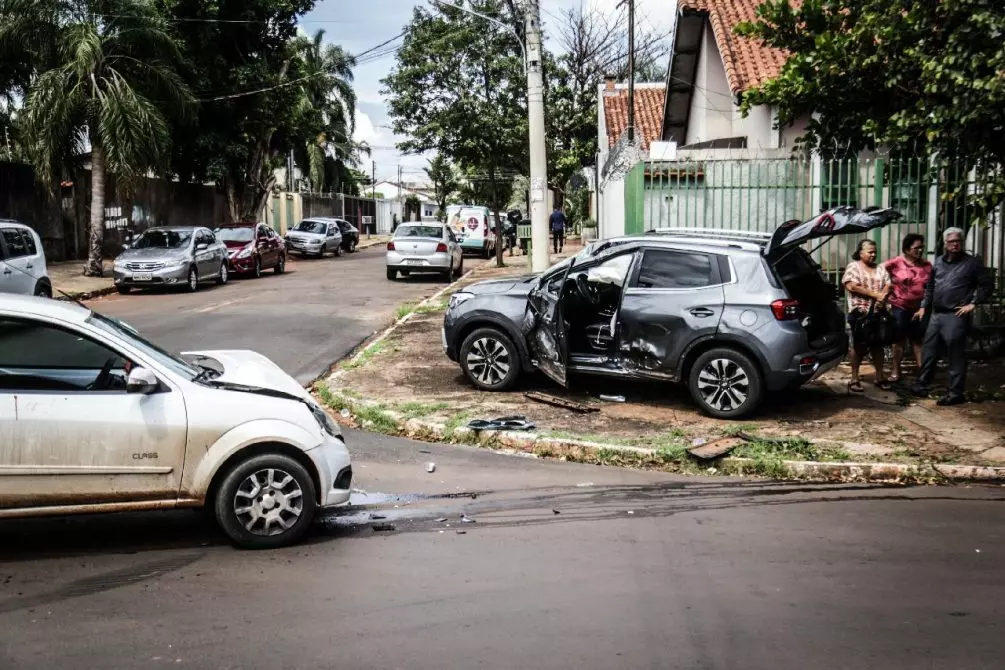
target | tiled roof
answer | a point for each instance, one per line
(748, 62)
(648, 113)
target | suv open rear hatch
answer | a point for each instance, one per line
(838, 221)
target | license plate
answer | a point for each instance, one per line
(142, 276)
(412, 261)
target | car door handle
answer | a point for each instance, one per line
(29, 266)
(8, 271)
(701, 312)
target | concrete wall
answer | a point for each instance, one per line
(612, 209)
(711, 114)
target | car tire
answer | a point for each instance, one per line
(324, 250)
(124, 290)
(488, 252)
(460, 268)
(392, 274)
(280, 264)
(258, 495)
(224, 275)
(352, 246)
(338, 250)
(742, 395)
(257, 272)
(192, 283)
(490, 360)
(42, 289)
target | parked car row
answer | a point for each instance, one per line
(138, 428)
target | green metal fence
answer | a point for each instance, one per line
(759, 194)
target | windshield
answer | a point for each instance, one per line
(420, 231)
(125, 332)
(235, 234)
(163, 239)
(312, 227)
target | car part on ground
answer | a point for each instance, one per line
(731, 314)
(267, 455)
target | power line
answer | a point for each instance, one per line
(185, 19)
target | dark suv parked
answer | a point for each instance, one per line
(729, 313)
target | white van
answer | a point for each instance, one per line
(22, 261)
(474, 228)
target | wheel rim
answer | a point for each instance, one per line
(193, 280)
(282, 263)
(223, 274)
(488, 361)
(269, 502)
(723, 384)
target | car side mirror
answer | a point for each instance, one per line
(141, 380)
(201, 246)
(126, 245)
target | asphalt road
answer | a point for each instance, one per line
(304, 320)
(636, 570)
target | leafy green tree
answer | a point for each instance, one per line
(915, 77)
(459, 88)
(444, 178)
(107, 85)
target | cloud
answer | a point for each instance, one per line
(366, 131)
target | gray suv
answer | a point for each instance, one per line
(731, 314)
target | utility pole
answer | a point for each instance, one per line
(631, 70)
(401, 199)
(540, 260)
(373, 194)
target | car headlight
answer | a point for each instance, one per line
(459, 298)
(325, 422)
(176, 263)
(245, 252)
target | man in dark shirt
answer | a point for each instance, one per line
(557, 222)
(959, 281)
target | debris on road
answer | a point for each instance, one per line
(377, 516)
(555, 401)
(555, 511)
(466, 519)
(377, 527)
(425, 451)
(502, 423)
(698, 441)
(612, 398)
(715, 448)
(631, 511)
(430, 467)
(345, 413)
(462, 532)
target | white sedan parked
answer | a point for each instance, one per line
(424, 247)
(94, 418)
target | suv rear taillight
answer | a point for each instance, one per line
(390, 246)
(441, 248)
(785, 310)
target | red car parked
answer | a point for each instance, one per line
(253, 248)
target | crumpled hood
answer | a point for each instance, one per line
(518, 285)
(250, 368)
(152, 254)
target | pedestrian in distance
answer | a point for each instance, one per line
(958, 283)
(909, 274)
(557, 222)
(867, 286)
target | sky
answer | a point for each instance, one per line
(359, 25)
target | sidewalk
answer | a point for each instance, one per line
(405, 384)
(68, 278)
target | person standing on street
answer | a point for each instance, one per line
(958, 283)
(909, 274)
(557, 222)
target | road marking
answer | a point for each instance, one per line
(210, 308)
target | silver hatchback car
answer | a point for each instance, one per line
(424, 247)
(315, 236)
(167, 257)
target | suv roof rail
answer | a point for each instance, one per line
(713, 234)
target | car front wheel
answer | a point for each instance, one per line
(281, 264)
(224, 275)
(266, 501)
(726, 383)
(193, 280)
(490, 359)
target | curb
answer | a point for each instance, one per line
(384, 334)
(529, 444)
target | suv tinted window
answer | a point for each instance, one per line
(676, 269)
(15, 242)
(39, 357)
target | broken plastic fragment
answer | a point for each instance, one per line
(345, 412)
(430, 467)
(382, 526)
(465, 519)
(462, 532)
(612, 398)
(631, 511)
(442, 519)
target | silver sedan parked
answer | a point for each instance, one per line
(168, 257)
(424, 247)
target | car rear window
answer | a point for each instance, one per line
(419, 231)
(15, 242)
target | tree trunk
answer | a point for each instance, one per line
(233, 206)
(95, 263)
(495, 214)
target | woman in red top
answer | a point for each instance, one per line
(908, 273)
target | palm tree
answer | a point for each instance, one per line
(107, 86)
(327, 107)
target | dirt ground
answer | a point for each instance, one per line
(410, 373)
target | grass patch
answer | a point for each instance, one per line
(376, 419)
(790, 448)
(417, 410)
(404, 310)
(337, 401)
(453, 423)
(432, 308)
(366, 356)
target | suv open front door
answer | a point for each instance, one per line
(544, 325)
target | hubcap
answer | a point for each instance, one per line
(269, 502)
(723, 384)
(488, 361)
(223, 273)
